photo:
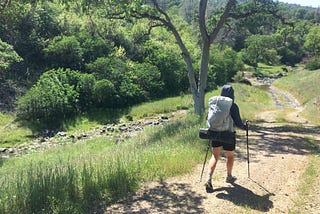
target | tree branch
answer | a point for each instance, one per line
(270, 9)
(222, 20)
(202, 20)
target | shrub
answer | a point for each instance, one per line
(103, 92)
(313, 64)
(85, 87)
(65, 52)
(7, 56)
(52, 99)
(148, 78)
(223, 67)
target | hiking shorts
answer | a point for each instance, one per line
(225, 146)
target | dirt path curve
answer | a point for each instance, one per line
(277, 160)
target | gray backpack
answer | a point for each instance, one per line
(219, 118)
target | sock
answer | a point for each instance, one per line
(209, 178)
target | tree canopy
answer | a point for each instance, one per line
(127, 52)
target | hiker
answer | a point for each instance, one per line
(227, 91)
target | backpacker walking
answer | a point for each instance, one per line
(232, 117)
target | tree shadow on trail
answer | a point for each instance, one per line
(283, 139)
(244, 197)
(163, 198)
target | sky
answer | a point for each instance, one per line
(312, 3)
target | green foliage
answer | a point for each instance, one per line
(52, 99)
(268, 71)
(290, 44)
(111, 68)
(313, 41)
(85, 87)
(313, 64)
(65, 51)
(103, 92)
(132, 82)
(7, 56)
(141, 61)
(29, 27)
(224, 65)
(148, 77)
(261, 48)
(166, 58)
(94, 48)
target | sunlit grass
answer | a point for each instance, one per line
(163, 106)
(309, 180)
(11, 133)
(270, 70)
(305, 87)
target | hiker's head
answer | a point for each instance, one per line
(227, 91)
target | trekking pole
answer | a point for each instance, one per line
(205, 160)
(247, 130)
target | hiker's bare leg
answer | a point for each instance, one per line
(230, 161)
(213, 161)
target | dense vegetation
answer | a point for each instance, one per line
(67, 58)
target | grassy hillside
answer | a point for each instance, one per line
(304, 85)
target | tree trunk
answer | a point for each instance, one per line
(199, 97)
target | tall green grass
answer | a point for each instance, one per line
(167, 105)
(77, 178)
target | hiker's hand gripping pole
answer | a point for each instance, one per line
(247, 130)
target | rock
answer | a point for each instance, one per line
(246, 81)
(62, 134)
(129, 117)
(164, 117)
(4, 149)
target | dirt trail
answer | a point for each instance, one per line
(277, 160)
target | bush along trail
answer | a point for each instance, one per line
(284, 175)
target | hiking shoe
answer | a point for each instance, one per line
(208, 186)
(231, 179)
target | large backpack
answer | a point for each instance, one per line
(218, 118)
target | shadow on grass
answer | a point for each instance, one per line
(48, 128)
(244, 197)
(162, 199)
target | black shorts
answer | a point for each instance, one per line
(225, 146)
